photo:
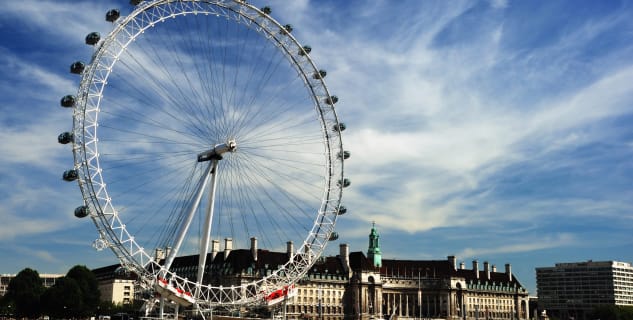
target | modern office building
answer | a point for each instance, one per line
(572, 290)
(353, 285)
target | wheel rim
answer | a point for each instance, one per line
(156, 95)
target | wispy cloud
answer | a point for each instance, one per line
(431, 126)
(527, 245)
(494, 127)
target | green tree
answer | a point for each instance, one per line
(25, 291)
(63, 299)
(6, 306)
(89, 286)
(612, 312)
(107, 308)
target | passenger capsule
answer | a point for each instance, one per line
(341, 210)
(333, 236)
(113, 15)
(82, 211)
(93, 38)
(344, 183)
(68, 101)
(287, 29)
(331, 100)
(319, 75)
(65, 137)
(135, 2)
(305, 50)
(70, 175)
(266, 10)
(344, 155)
(340, 127)
(77, 67)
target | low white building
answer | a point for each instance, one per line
(115, 284)
(48, 280)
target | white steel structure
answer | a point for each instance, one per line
(197, 120)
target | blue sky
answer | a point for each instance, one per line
(490, 130)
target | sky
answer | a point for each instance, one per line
(494, 130)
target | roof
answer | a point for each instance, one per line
(114, 271)
(427, 269)
(358, 261)
(241, 260)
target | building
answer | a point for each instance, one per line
(116, 284)
(48, 280)
(352, 285)
(431, 289)
(572, 290)
(320, 293)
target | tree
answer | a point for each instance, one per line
(89, 286)
(63, 299)
(107, 308)
(612, 312)
(25, 291)
(6, 306)
(75, 295)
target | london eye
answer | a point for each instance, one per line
(197, 121)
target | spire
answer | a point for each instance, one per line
(373, 253)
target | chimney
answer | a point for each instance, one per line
(476, 268)
(509, 271)
(215, 248)
(494, 268)
(462, 265)
(228, 246)
(159, 255)
(290, 248)
(254, 248)
(487, 269)
(306, 250)
(453, 262)
(344, 253)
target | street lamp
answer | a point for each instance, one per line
(419, 296)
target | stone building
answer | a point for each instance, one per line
(390, 288)
(320, 292)
(352, 285)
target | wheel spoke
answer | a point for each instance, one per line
(177, 84)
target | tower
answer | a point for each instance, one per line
(373, 253)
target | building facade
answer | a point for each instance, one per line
(410, 289)
(572, 290)
(352, 285)
(116, 284)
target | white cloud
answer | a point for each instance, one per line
(421, 111)
(32, 122)
(31, 205)
(31, 162)
(525, 245)
(433, 127)
(78, 18)
(499, 4)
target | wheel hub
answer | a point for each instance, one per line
(216, 152)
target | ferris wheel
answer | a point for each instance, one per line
(198, 121)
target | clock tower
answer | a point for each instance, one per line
(373, 253)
